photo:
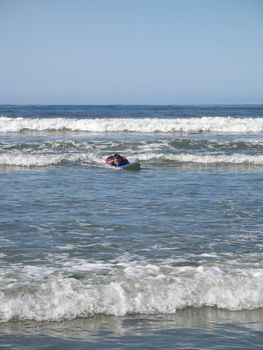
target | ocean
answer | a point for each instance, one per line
(168, 257)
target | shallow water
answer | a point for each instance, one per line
(166, 257)
(204, 328)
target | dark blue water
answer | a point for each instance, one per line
(120, 111)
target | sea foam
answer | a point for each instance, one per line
(52, 296)
(204, 159)
(43, 160)
(145, 125)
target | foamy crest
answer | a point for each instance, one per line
(42, 160)
(132, 289)
(147, 125)
(201, 159)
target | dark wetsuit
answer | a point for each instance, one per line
(116, 161)
(119, 161)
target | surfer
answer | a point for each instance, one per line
(116, 160)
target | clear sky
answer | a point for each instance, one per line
(131, 51)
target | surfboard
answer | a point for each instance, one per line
(130, 166)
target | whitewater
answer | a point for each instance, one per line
(145, 125)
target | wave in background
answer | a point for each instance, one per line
(143, 125)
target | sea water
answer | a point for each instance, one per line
(166, 257)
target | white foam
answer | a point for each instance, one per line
(83, 265)
(49, 295)
(66, 247)
(28, 160)
(41, 160)
(201, 159)
(47, 159)
(147, 125)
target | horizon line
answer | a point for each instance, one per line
(133, 104)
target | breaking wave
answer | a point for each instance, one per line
(143, 125)
(205, 159)
(174, 152)
(42, 160)
(48, 295)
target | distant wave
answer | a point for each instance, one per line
(145, 125)
(43, 294)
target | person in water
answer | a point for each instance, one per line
(116, 160)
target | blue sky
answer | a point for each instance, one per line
(131, 51)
